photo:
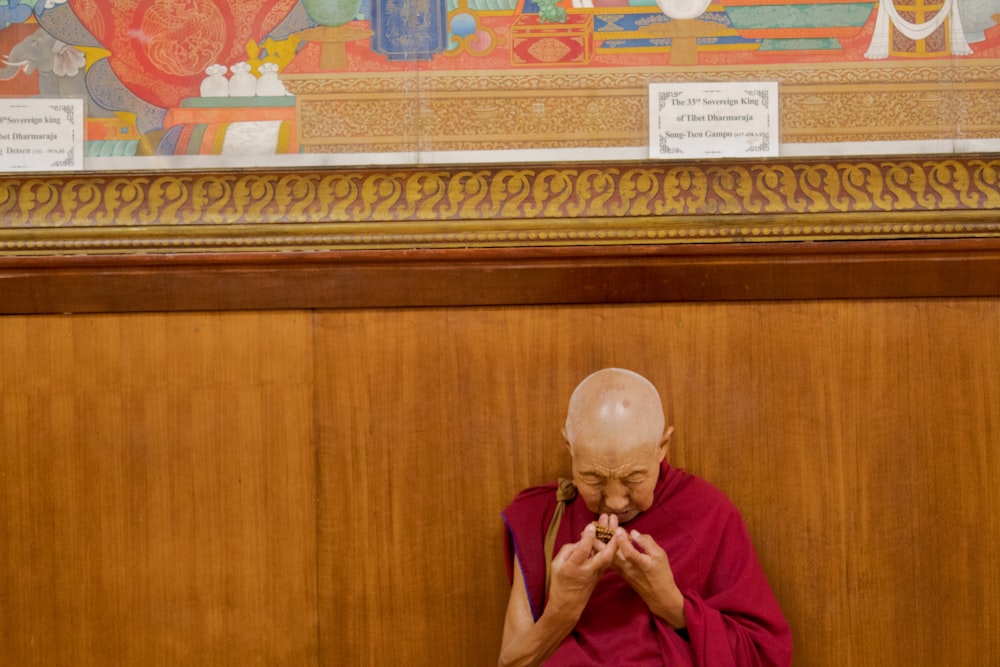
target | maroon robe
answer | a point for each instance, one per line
(733, 619)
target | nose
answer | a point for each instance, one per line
(616, 498)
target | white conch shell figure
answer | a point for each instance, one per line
(269, 85)
(683, 9)
(242, 83)
(215, 84)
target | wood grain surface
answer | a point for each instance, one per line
(157, 494)
(296, 487)
(859, 439)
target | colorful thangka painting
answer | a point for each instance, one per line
(314, 82)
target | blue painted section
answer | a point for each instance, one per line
(409, 29)
(611, 23)
(168, 143)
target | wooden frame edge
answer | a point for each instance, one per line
(501, 276)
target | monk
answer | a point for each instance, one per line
(678, 582)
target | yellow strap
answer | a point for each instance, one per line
(565, 494)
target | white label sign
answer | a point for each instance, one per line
(705, 120)
(41, 134)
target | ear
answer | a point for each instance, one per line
(569, 445)
(68, 60)
(664, 446)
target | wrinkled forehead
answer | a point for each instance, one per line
(619, 456)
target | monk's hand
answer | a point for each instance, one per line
(610, 523)
(575, 572)
(646, 568)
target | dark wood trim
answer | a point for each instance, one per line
(501, 276)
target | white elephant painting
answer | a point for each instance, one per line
(61, 69)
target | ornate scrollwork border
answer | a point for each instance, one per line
(636, 203)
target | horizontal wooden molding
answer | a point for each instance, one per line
(501, 276)
(501, 235)
(616, 203)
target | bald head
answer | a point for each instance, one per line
(617, 442)
(614, 406)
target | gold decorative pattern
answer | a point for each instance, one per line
(541, 205)
(470, 120)
(874, 115)
(463, 111)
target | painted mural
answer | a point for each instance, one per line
(406, 81)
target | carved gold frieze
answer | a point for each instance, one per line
(443, 121)
(633, 203)
(877, 101)
(902, 115)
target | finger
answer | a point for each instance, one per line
(600, 545)
(604, 556)
(564, 552)
(621, 542)
(577, 551)
(627, 547)
(582, 549)
(646, 543)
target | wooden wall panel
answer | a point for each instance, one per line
(157, 490)
(427, 420)
(159, 477)
(859, 437)
(924, 486)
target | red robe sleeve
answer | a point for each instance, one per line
(734, 619)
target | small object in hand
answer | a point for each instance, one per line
(604, 534)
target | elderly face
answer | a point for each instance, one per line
(617, 477)
(616, 437)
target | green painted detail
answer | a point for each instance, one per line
(823, 44)
(800, 16)
(111, 148)
(332, 12)
(237, 102)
